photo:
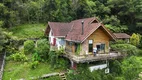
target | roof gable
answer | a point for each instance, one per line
(108, 33)
(59, 29)
(73, 31)
(90, 25)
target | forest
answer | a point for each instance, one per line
(28, 54)
(123, 15)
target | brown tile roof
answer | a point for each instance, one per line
(72, 31)
(121, 35)
(60, 29)
(89, 27)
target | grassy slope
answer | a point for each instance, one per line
(17, 70)
(28, 30)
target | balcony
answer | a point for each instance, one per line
(91, 57)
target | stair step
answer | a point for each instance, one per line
(63, 76)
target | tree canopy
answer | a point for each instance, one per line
(118, 14)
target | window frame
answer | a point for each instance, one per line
(90, 45)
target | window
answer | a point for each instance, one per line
(90, 45)
(100, 47)
(76, 45)
(70, 43)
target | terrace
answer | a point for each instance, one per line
(91, 57)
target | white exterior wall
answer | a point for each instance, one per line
(60, 42)
(96, 67)
(51, 37)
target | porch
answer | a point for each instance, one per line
(91, 57)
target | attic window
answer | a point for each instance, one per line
(95, 21)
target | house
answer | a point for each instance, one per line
(122, 36)
(84, 40)
(57, 33)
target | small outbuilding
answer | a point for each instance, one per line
(122, 36)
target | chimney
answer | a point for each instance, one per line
(82, 27)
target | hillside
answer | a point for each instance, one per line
(28, 30)
(23, 20)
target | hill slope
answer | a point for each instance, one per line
(28, 30)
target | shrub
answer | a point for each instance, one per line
(140, 52)
(36, 57)
(2, 39)
(140, 45)
(119, 78)
(108, 77)
(131, 67)
(78, 49)
(125, 48)
(53, 59)
(42, 48)
(56, 61)
(60, 51)
(120, 41)
(34, 64)
(115, 67)
(10, 50)
(18, 57)
(62, 63)
(29, 46)
(135, 39)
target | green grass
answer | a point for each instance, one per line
(28, 30)
(17, 70)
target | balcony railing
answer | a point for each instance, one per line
(91, 57)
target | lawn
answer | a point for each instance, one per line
(28, 30)
(17, 70)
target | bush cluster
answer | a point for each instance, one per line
(125, 48)
(42, 48)
(29, 46)
(18, 57)
(56, 61)
(34, 64)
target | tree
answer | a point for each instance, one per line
(85, 8)
(128, 12)
(49, 9)
(131, 68)
(135, 39)
(2, 40)
(42, 48)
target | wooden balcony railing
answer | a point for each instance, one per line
(91, 57)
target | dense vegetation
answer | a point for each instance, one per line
(123, 16)
(127, 69)
(21, 20)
